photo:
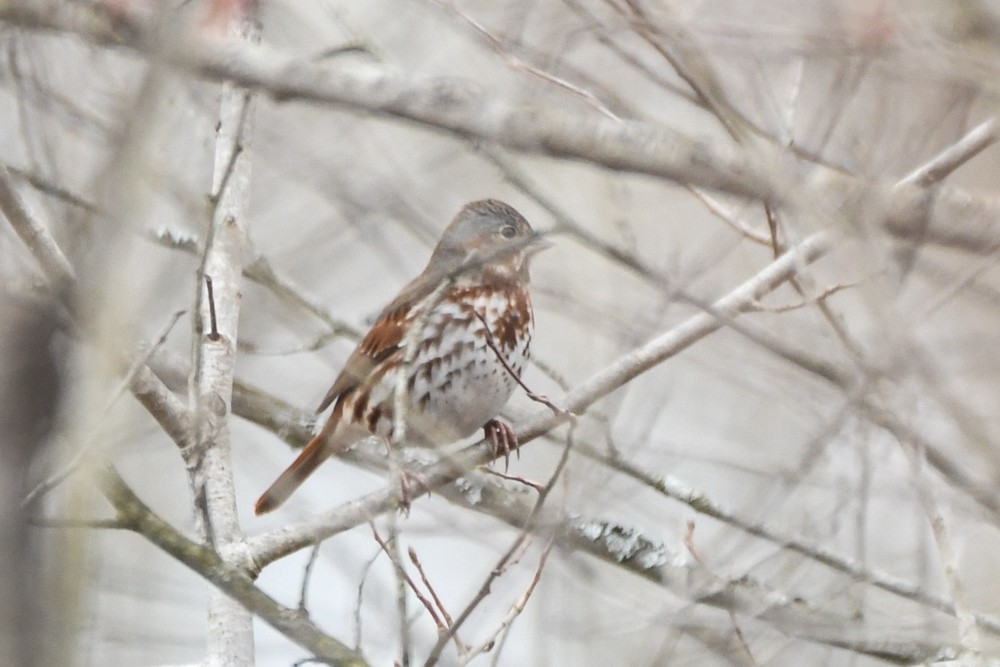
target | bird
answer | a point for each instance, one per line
(460, 334)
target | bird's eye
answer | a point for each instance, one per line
(508, 231)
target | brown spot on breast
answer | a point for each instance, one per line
(360, 403)
(373, 418)
(516, 325)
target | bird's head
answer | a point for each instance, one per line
(490, 239)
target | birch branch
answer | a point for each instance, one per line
(214, 341)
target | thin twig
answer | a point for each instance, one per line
(944, 163)
(967, 627)
(964, 279)
(517, 378)
(459, 646)
(692, 65)
(412, 553)
(513, 478)
(428, 604)
(313, 553)
(402, 580)
(518, 63)
(60, 192)
(503, 630)
(737, 629)
(34, 234)
(716, 208)
(360, 596)
(504, 562)
(809, 301)
(213, 333)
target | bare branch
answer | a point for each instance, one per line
(289, 539)
(737, 630)
(505, 561)
(502, 504)
(727, 216)
(34, 234)
(430, 606)
(306, 574)
(412, 553)
(491, 644)
(808, 301)
(972, 144)
(698, 501)
(233, 581)
(230, 631)
(761, 171)
(518, 63)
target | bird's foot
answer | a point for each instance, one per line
(503, 438)
(411, 485)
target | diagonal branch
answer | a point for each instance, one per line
(290, 424)
(269, 547)
(33, 234)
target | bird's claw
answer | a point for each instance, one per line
(411, 485)
(503, 438)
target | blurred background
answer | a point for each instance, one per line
(112, 149)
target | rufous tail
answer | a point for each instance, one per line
(312, 455)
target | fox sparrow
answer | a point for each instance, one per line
(468, 319)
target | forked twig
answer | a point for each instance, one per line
(503, 630)
(437, 601)
(428, 605)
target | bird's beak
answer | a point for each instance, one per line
(538, 243)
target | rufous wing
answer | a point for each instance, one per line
(384, 338)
